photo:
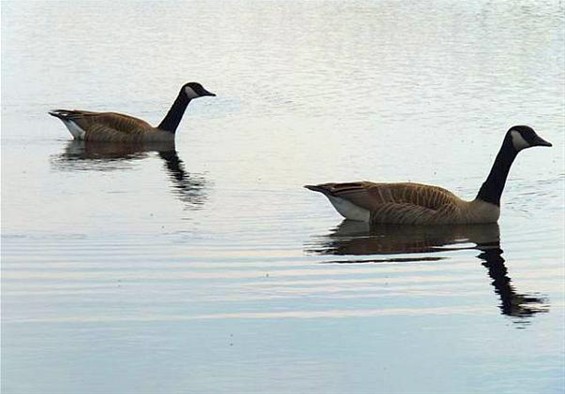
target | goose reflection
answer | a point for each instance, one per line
(105, 156)
(358, 239)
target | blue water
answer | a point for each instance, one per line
(209, 269)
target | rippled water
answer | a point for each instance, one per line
(205, 267)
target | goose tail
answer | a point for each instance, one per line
(59, 113)
(69, 120)
(324, 189)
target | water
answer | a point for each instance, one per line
(207, 268)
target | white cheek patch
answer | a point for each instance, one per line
(190, 92)
(518, 141)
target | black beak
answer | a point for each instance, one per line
(207, 93)
(538, 141)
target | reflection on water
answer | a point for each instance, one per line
(89, 156)
(105, 156)
(190, 188)
(358, 239)
(511, 302)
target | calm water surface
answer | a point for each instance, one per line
(206, 268)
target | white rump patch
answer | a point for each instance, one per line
(518, 141)
(190, 92)
(349, 210)
(75, 130)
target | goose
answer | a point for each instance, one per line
(115, 127)
(420, 204)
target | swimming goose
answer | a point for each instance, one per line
(415, 203)
(115, 127)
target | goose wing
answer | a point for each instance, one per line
(103, 122)
(395, 202)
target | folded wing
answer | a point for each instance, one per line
(403, 203)
(98, 124)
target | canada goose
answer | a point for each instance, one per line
(414, 203)
(115, 127)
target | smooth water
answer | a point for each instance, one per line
(207, 268)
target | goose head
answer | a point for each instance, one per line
(522, 137)
(194, 90)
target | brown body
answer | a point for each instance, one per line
(111, 126)
(405, 203)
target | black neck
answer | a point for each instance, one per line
(174, 116)
(492, 189)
